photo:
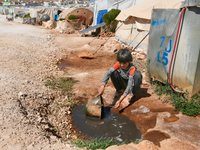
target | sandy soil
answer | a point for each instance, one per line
(28, 116)
(26, 57)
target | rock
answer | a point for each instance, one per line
(185, 129)
(39, 119)
(21, 94)
(141, 109)
(46, 127)
(80, 35)
(144, 145)
(86, 55)
(140, 57)
(68, 112)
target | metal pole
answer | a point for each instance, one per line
(140, 41)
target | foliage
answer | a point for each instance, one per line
(110, 21)
(64, 84)
(72, 17)
(183, 103)
(161, 88)
(27, 15)
(67, 103)
(96, 143)
(188, 106)
(136, 142)
(61, 19)
(111, 15)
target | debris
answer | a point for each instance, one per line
(21, 94)
(86, 55)
(140, 110)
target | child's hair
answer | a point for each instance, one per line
(124, 56)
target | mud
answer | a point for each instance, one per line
(111, 125)
(92, 81)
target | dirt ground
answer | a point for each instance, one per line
(90, 73)
(31, 116)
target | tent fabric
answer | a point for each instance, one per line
(136, 20)
(56, 17)
(47, 11)
(112, 4)
(144, 9)
(33, 13)
(76, 24)
(100, 15)
(88, 14)
(64, 13)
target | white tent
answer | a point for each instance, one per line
(136, 21)
(112, 4)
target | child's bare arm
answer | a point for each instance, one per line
(101, 90)
(117, 104)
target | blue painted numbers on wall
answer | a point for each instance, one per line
(164, 59)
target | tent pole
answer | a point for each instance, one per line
(140, 42)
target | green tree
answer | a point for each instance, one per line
(109, 19)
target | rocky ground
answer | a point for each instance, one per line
(32, 116)
(26, 58)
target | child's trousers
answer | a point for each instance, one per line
(121, 83)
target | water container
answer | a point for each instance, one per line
(94, 107)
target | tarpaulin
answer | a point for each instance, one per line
(100, 15)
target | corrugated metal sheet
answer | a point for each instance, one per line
(186, 66)
(92, 28)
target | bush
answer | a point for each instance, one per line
(61, 19)
(96, 143)
(72, 17)
(27, 15)
(64, 84)
(188, 106)
(109, 19)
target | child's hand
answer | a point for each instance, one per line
(101, 90)
(117, 104)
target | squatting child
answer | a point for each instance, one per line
(124, 76)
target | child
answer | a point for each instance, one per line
(124, 76)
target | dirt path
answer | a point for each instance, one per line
(26, 54)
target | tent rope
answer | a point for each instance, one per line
(137, 36)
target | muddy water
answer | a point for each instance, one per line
(63, 65)
(111, 125)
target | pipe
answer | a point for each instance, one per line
(177, 35)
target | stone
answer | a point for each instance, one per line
(141, 109)
(21, 94)
(86, 55)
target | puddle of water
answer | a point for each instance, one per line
(64, 65)
(111, 125)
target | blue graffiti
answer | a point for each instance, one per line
(158, 22)
(163, 38)
(164, 59)
(170, 47)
